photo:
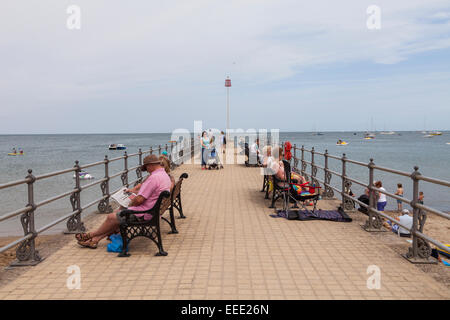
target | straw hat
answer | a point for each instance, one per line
(150, 159)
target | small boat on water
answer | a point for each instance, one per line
(388, 132)
(83, 175)
(436, 133)
(341, 143)
(117, 147)
(15, 153)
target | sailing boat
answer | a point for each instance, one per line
(315, 133)
(387, 132)
(370, 135)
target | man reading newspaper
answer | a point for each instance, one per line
(148, 194)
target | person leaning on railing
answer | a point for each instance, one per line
(149, 192)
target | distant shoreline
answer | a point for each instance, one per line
(168, 133)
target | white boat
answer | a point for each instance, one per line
(388, 132)
(369, 136)
(83, 175)
(116, 147)
(428, 136)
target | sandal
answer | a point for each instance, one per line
(83, 236)
(88, 244)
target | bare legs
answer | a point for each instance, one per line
(108, 227)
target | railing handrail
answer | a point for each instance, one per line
(374, 222)
(184, 148)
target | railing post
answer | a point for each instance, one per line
(347, 203)
(104, 206)
(124, 176)
(295, 158)
(328, 191)
(313, 169)
(74, 224)
(343, 159)
(420, 250)
(303, 161)
(374, 222)
(138, 169)
(26, 253)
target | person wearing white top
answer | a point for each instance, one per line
(382, 201)
(254, 152)
(406, 220)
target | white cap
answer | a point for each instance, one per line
(405, 211)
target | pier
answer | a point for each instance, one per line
(229, 247)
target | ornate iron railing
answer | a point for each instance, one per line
(26, 252)
(420, 250)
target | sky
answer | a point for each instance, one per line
(153, 66)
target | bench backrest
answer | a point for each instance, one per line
(177, 188)
(163, 202)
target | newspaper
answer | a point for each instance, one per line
(123, 198)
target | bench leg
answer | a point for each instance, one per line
(159, 244)
(172, 221)
(273, 199)
(124, 253)
(180, 208)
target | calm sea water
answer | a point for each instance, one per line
(48, 153)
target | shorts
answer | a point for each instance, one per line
(399, 201)
(381, 205)
(133, 218)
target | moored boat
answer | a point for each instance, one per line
(116, 147)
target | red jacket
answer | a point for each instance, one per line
(287, 150)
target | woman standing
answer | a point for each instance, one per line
(382, 201)
(204, 141)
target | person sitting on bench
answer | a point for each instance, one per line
(157, 182)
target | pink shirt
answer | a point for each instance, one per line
(156, 183)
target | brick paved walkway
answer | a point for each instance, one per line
(230, 248)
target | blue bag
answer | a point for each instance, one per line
(116, 243)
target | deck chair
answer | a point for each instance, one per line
(290, 195)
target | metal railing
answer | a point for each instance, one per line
(26, 252)
(420, 250)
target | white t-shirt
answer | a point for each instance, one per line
(382, 197)
(407, 221)
(272, 166)
(254, 148)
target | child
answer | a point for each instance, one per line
(421, 196)
(400, 194)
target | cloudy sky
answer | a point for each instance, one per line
(152, 66)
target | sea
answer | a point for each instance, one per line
(48, 153)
